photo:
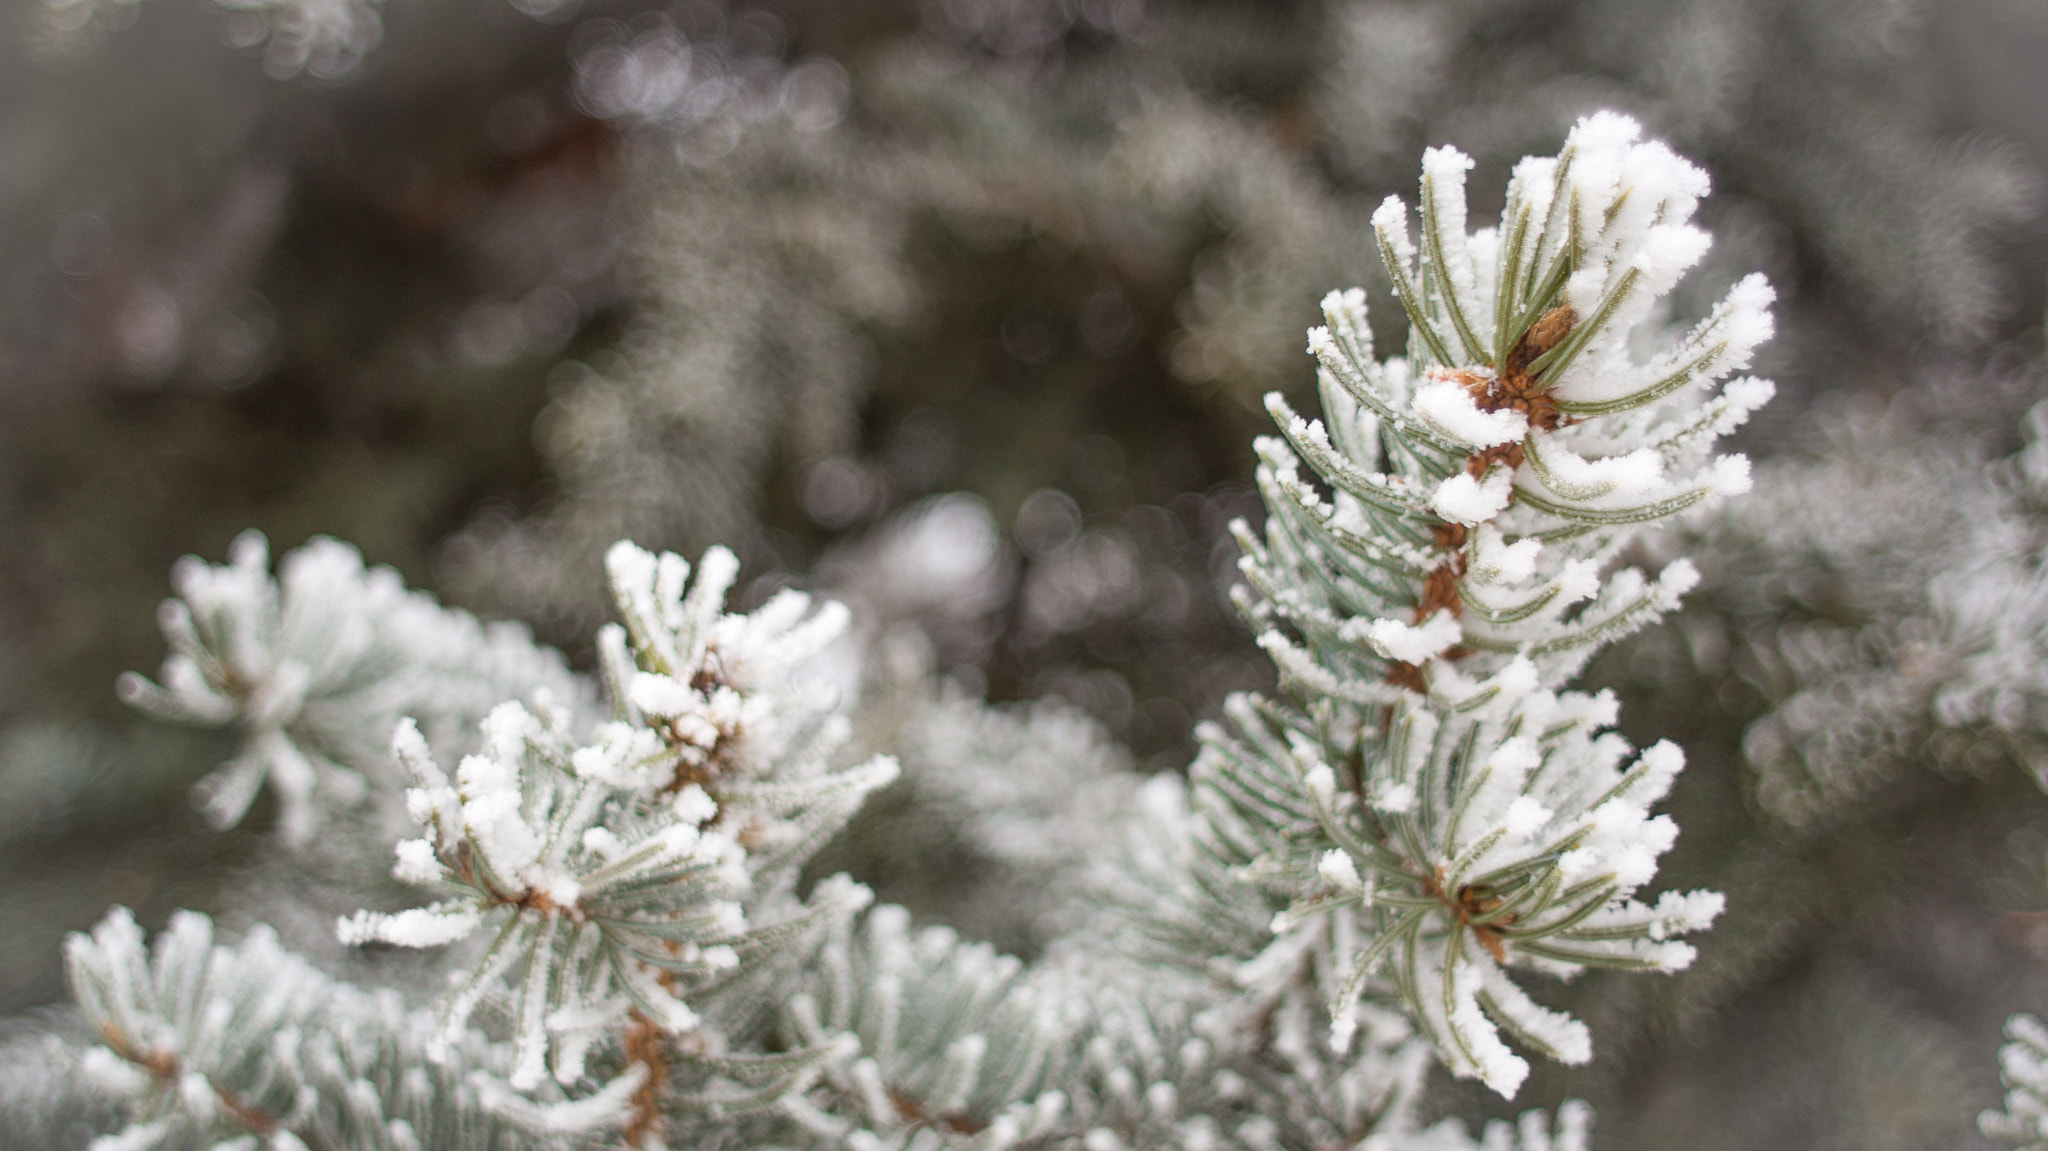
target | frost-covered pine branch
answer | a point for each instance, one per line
(636, 878)
(2023, 1062)
(316, 664)
(208, 1045)
(952, 1039)
(1889, 601)
(1017, 800)
(626, 878)
(1438, 811)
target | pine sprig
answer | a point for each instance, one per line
(951, 1044)
(1435, 569)
(316, 664)
(248, 1045)
(2023, 1062)
(624, 879)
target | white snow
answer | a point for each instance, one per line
(1495, 561)
(1444, 405)
(1395, 799)
(1462, 499)
(1418, 643)
(415, 927)
(1341, 870)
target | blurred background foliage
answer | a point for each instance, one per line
(961, 310)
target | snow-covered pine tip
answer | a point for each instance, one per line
(315, 664)
(2023, 1064)
(940, 1034)
(576, 887)
(615, 884)
(721, 691)
(246, 1045)
(1436, 567)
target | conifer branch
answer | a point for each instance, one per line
(1467, 814)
